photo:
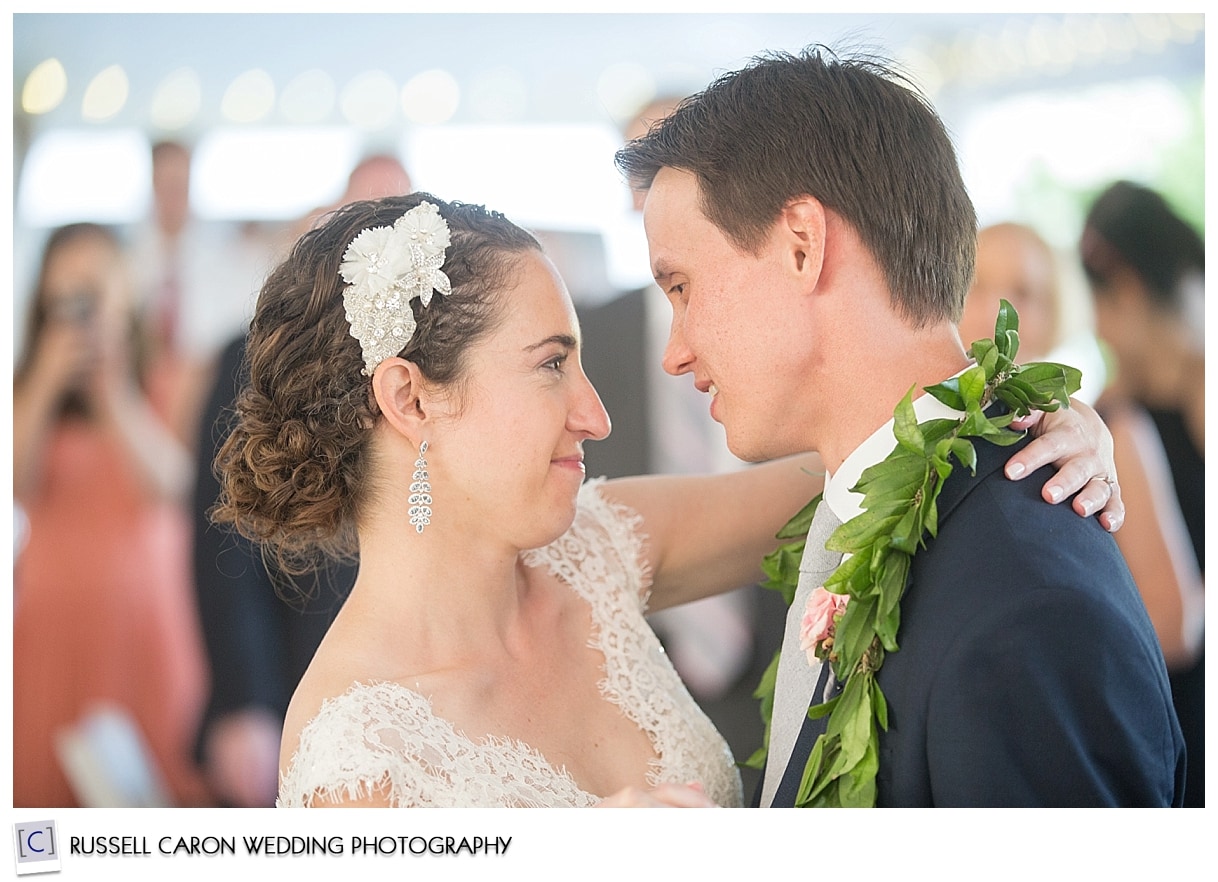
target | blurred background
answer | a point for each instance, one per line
(524, 111)
(258, 122)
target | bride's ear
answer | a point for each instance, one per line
(397, 385)
(803, 226)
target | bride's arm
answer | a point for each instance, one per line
(708, 533)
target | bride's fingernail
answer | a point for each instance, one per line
(1014, 470)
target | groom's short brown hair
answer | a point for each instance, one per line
(853, 134)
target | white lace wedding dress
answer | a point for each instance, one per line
(383, 737)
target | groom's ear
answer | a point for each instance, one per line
(802, 229)
(397, 385)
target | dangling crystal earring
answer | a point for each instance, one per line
(420, 492)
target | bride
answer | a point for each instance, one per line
(416, 394)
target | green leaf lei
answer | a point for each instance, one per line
(899, 510)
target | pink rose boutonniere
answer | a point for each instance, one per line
(822, 612)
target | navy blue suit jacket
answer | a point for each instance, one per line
(1028, 672)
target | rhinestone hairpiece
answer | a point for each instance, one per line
(387, 267)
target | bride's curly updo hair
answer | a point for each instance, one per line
(293, 472)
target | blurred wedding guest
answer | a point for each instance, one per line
(374, 176)
(102, 611)
(1015, 263)
(1146, 267)
(197, 281)
(261, 627)
(662, 425)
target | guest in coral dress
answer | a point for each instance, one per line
(103, 617)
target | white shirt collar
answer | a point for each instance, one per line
(846, 504)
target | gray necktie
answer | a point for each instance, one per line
(797, 680)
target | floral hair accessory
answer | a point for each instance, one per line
(387, 267)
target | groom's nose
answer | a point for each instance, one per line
(678, 357)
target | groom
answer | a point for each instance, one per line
(807, 220)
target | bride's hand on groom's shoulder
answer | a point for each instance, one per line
(664, 796)
(1077, 443)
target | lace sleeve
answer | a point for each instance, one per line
(355, 748)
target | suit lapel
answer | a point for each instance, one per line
(788, 787)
